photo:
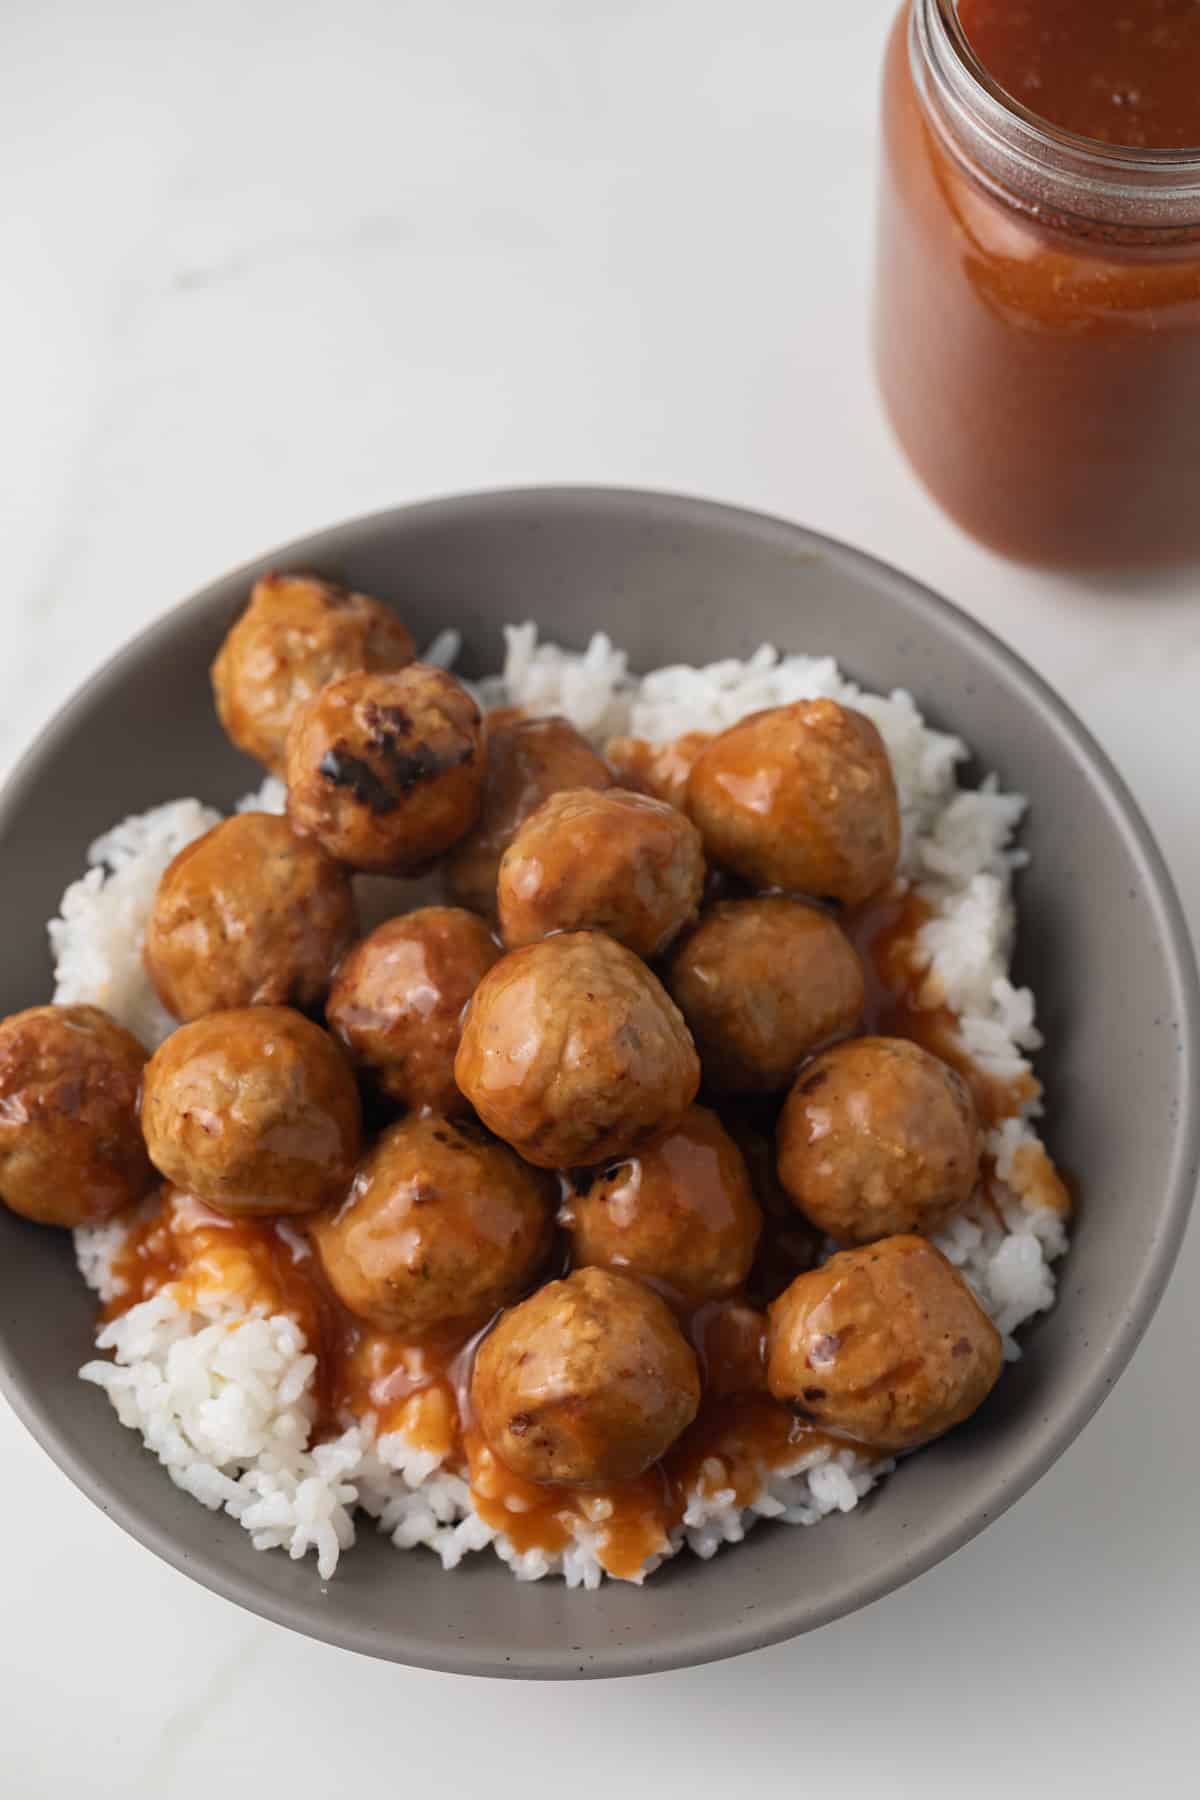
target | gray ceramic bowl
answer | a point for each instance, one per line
(1103, 941)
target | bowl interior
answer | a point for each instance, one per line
(1101, 940)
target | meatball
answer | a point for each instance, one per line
(619, 862)
(254, 1111)
(661, 770)
(296, 635)
(878, 1136)
(527, 760)
(800, 797)
(681, 1212)
(573, 1053)
(386, 771)
(886, 1345)
(762, 983)
(248, 915)
(589, 1381)
(397, 1002)
(442, 1227)
(71, 1151)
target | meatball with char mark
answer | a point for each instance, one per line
(763, 983)
(253, 1111)
(885, 1345)
(527, 761)
(386, 771)
(800, 797)
(876, 1137)
(589, 1381)
(248, 915)
(71, 1150)
(397, 1002)
(614, 861)
(296, 635)
(682, 1211)
(573, 1053)
(442, 1227)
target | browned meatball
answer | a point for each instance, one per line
(254, 1111)
(398, 999)
(588, 1381)
(527, 760)
(296, 635)
(800, 797)
(618, 862)
(442, 1227)
(876, 1137)
(661, 770)
(762, 983)
(248, 915)
(71, 1150)
(573, 1053)
(885, 1345)
(682, 1211)
(386, 771)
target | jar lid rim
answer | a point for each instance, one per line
(1116, 182)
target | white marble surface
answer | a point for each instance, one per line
(267, 266)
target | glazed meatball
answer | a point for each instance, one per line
(527, 761)
(386, 771)
(254, 1111)
(442, 1227)
(573, 1053)
(681, 1212)
(661, 770)
(885, 1345)
(71, 1151)
(877, 1136)
(296, 635)
(800, 797)
(618, 862)
(589, 1381)
(763, 983)
(398, 1000)
(248, 915)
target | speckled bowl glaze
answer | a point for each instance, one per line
(1102, 940)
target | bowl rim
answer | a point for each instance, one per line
(727, 1638)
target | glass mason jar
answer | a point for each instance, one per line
(1037, 315)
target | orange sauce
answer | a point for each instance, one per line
(733, 1440)
(408, 1387)
(1041, 368)
(1118, 71)
(198, 1249)
(632, 1516)
(660, 770)
(740, 1433)
(902, 1001)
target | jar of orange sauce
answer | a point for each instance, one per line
(1037, 316)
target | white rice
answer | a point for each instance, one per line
(271, 797)
(96, 940)
(225, 1399)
